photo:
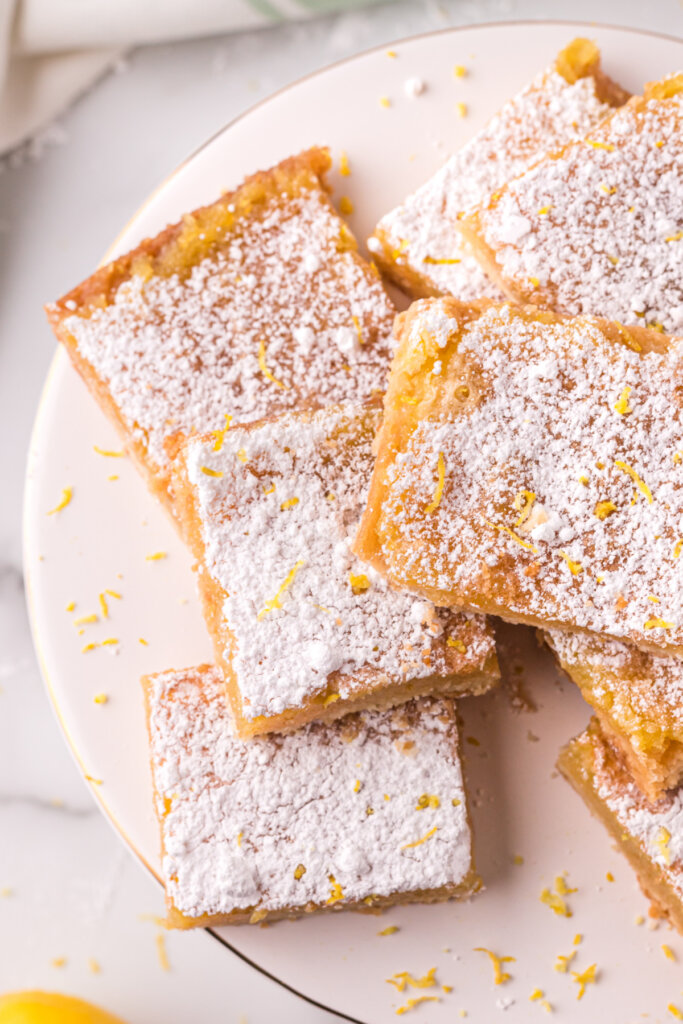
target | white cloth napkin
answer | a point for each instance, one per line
(53, 50)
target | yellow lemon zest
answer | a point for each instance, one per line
(563, 962)
(404, 979)
(584, 978)
(656, 623)
(628, 338)
(385, 102)
(263, 367)
(425, 837)
(445, 261)
(441, 471)
(109, 454)
(600, 145)
(275, 602)
(299, 871)
(500, 976)
(458, 644)
(427, 800)
(640, 484)
(603, 509)
(534, 282)
(574, 567)
(668, 952)
(461, 109)
(156, 557)
(389, 930)
(344, 165)
(330, 699)
(359, 332)
(242, 455)
(536, 994)
(211, 472)
(412, 1003)
(86, 620)
(523, 503)
(622, 406)
(359, 582)
(161, 952)
(100, 698)
(511, 533)
(662, 844)
(675, 238)
(675, 1012)
(561, 886)
(290, 503)
(544, 209)
(219, 435)
(336, 892)
(459, 71)
(555, 902)
(678, 547)
(67, 495)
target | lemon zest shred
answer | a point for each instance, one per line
(555, 902)
(100, 698)
(264, 368)
(574, 567)
(425, 837)
(103, 605)
(207, 471)
(527, 498)
(500, 976)
(242, 455)
(86, 620)
(461, 109)
(441, 262)
(511, 533)
(114, 593)
(678, 547)
(275, 602)
(562, 888)
(330, 699)
(109, 641)
(621, 405)
(436, 500)
(156, 557)
(161, 952)
(359, 582)
(290, 503)
(584, 978)
(459, 71)
(662, 844)
(536, 994)
(344, 165)
(141, 640)
(628, 338)
(89, 647)
(604, 509)
(219, 435)
(600, 145)
(336, 892)
(656, 623)
(563, 962)
(668, 952)
(640, 484)
(544, 209)
(71, 606)
(428, 800)
(385, 102)
(67, 495)
(359, 332)
(299, 871)
(404, 979)
(675, 238)
(109, 454)
(458, 644)
(389, 930)
(412, 1003)
(675, 1012)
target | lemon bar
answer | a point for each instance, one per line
(301, 628)
(638, 698)
(332, 817)
(648, 834)
(256, 304)
(530, 466)
(597, 227)
(418, 244)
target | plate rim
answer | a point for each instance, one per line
(59, 357)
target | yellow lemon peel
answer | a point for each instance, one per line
(500, 976)
(441, 472)
(264, 368)
(67, 495)
(275, 602)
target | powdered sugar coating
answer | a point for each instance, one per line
(656, 827)
(238, 818)
(178, 354)
(278, 509)
(543, 434)
(545, 114)
(598, 228)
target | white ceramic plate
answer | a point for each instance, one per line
(101, 540)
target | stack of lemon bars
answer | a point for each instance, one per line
(362, 491)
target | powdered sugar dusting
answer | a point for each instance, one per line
(277, 524)
(178, 355)
(544, 115)
(240, 820)
(563, 498)
(657, 827)
(603, 221)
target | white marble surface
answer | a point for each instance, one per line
(68, 887)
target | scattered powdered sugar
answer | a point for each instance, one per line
(327, 814)
(599, 228)
(562, 500)
(180, 354)
(657, 827)
(277, 524)
(642, 692)
(423, 229)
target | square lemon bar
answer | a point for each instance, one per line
(530, 466)
(253, 305)
(638, 698)
(418, 244)
(302, 629)
(596, 227)
(362, 813)
(650, 835)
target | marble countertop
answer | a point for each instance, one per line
(76, 910)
